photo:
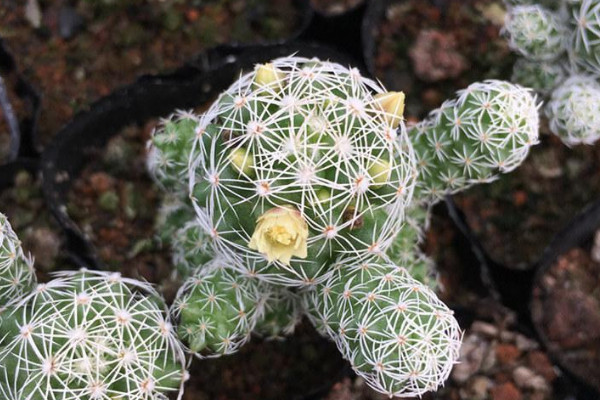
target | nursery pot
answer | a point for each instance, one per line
(565, 310)
(22, 131)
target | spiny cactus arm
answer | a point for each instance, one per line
(191, 248)
(297, 166)
(172, 215)
(541, 76)
(17, 275)
(169, 151)
(584, 47)
(488, 128)
(394, 331)
(535, 32)
(216, 309)
(91, 335)
(574, 110)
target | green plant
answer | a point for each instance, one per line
(17, 277)
(309, 188)
(89, 335)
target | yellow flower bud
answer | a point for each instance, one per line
(380, 172)
(280, 234)
(242, 160)
(393, 105)
(268, 75)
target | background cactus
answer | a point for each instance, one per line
(535, 32)
(89, 335)
(17, 277)
(574, 110)
(585, 39)
(539, 75)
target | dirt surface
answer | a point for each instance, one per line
(298, 366)
(566, 308)
(430, 48)
(517, 216)
(78, 51)
(114, 202)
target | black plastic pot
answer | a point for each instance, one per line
(150, 96)
(22, 132)
(579, 233)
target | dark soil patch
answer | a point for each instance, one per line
(430, 48)
(110, 43)
(566, 309)
(517, 216)
(268, 370)
(115, 202)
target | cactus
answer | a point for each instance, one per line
(585, 40)
(535, 32)
(301, 177)
(541, 76)
(489, 127)
(17, 277)
(299, 162)
(169, 148)
(89, 335)
(394, 331)
(172, 215)
(217, 309)
(574, 111)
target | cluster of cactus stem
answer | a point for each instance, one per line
(559, 41)
(84, 335)
(305, 194)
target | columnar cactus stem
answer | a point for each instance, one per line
(17, 277)
(394, 331)
(489, 127)
(90, 335)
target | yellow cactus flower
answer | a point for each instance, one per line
(242, 160)
(380, 172)
(392, 103)
(267, 75)
(280, 234)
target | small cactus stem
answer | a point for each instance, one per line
(191, 248)
(172, 215)
(169, 151)
(311, 136)
(90, 335)
(541, 76)
(281, 313)
(574, 111)
(535, 32)
(217, 308)
(393, 330)
(488, 128)
(17, 275)
(585, 41)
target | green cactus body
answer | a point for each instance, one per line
(217, 309)
(543, 77)
(17, 277)
(394, 331)
(172, 215)
(170, 150)
(305, 143)
(282, 312)
(191, 248)
(90, 335)
(574, 110)
(535, 32)
(585, 40)
(489, 127)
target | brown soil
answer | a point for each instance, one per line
(268, 370)
(517, 216)
(430, 49)
(120, 40)
(566, 309)
(114, 202)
